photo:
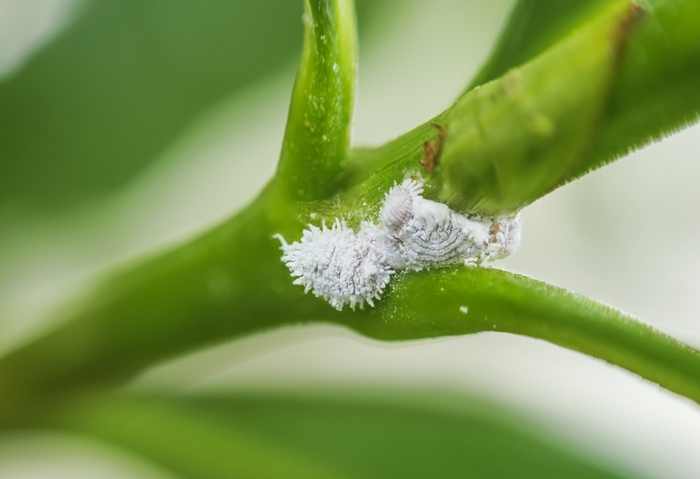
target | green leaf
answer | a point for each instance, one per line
(656, 90)
(624, 78)
(90, 110)
(533, 26)
(317, 138)
(513, 140)
(189, 444)
(224, 436)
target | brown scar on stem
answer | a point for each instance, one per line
(432, 149)
(635, 13)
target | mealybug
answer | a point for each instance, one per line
(344, 266)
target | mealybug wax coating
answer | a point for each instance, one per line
(344, 266)
(338, 264)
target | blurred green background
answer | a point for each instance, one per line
(128, 126)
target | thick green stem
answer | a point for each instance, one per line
(317, 138)
(232, 282)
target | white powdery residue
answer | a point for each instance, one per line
(504, 236)
(463, 309)
(414, 233)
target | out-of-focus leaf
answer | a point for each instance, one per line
(317, 137)
(190, 444)
(225, 436)
(232, 282)
(121, 82)
(93, 107)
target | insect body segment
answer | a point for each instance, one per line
(430, 234)
(338, 264)
(344, 266)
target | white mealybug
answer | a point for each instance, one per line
(338, 264)
(427, 234)
(343, 266)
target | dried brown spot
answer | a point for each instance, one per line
(624, 29)
(432, 149)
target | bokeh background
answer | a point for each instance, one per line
(126, 127)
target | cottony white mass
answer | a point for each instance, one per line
(344, 266)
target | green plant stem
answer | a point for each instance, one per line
(231, 282)
(496, 300)
(317, 138)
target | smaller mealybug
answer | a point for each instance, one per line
(344, 266)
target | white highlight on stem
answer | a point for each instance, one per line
(343, 266)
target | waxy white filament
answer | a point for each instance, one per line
(343, 266)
